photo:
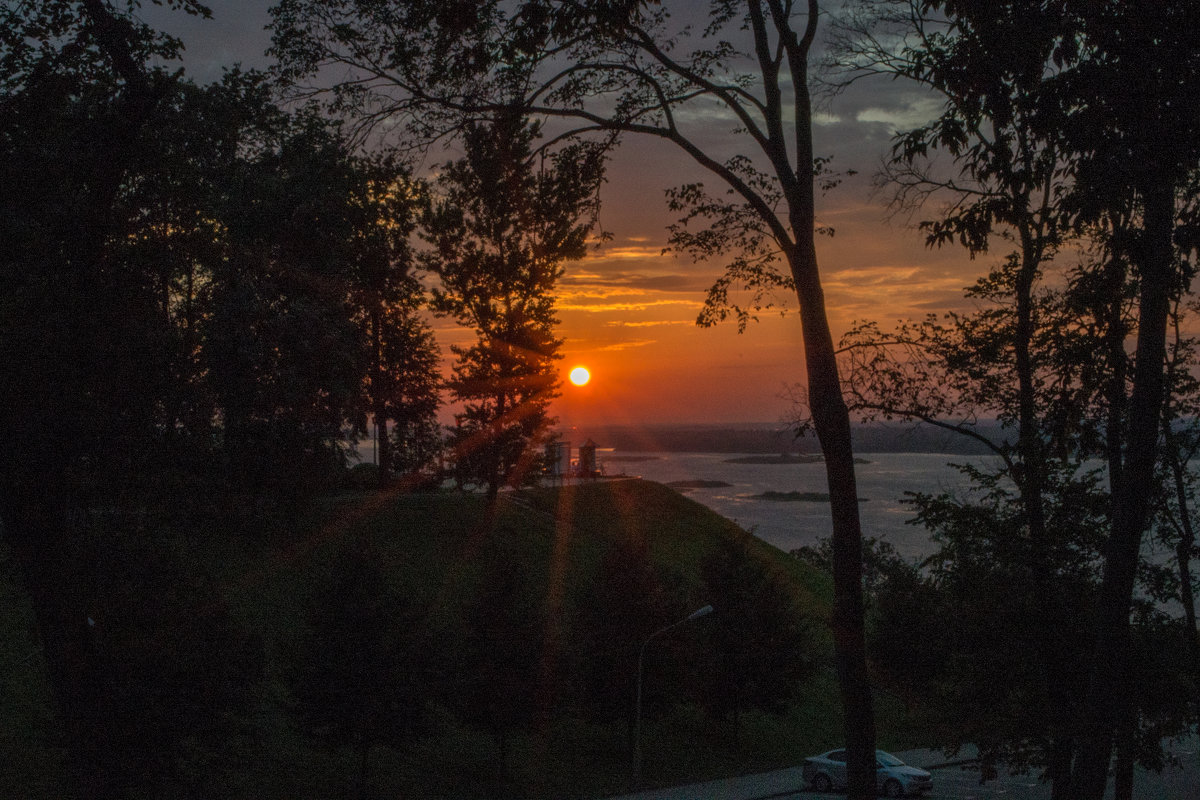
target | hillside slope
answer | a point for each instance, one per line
(439, 546)
(529, 579)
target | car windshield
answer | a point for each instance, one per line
(887, 759)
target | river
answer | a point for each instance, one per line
(882, 483)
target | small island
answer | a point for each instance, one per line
(782, 458)
(785, 458)
(798, 497)
(698, 484)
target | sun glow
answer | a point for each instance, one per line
(580, 376)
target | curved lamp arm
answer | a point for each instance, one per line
(637, 741)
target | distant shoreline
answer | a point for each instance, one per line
(698, 484)
(785, 458)
(782, 458)
(767, 439)
(797, 497)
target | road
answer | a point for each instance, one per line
(955, 781)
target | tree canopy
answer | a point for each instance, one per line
(500, 231)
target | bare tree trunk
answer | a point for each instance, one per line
(1123, 765)
(1187, 594)
(1187, 537)
(364, 768)
(1031, 481)
(379, 399)
(1060, 768)
(1029, 441)
(384, 446)
(492, 453)
(831, 419)
(1105, 695)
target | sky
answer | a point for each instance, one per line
(628, 311)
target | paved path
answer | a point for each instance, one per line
(953, 781)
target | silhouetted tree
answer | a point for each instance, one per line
(992, 604)
(1050, 123)
(1143, 146)
(1176, 520)
(83, 343)
(1006, 186)
(402, 359)
(758, 644)
(280, 350)
(501, 231)
(171, 677)
(364, 665)
(626, 603)
(952, 373)
(175, 268)
(414, 370)
(502, 647)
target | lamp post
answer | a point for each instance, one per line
(637, 718)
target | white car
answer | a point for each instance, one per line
(893, 778)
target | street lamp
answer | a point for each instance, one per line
(637, 718)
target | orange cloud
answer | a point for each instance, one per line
(651, 323)
(638, 305)
(634, 343)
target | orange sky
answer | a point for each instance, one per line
(628, 312)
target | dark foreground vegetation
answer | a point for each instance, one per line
(391, 644)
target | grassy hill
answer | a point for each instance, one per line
(439, 551)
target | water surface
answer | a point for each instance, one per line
(882, 484)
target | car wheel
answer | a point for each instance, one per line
(821, 783)
(893, 788)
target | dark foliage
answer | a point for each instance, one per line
(364, 669)
(498, 681)
(758, 647)
(170, 681)
(627, 602)
(177, 352)
(501, 231)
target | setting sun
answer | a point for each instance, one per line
(579, 376)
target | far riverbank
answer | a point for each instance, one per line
(735, 491)
(774, 438)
